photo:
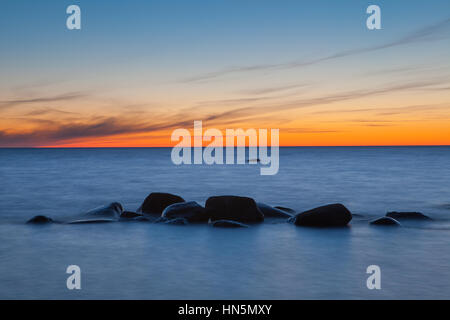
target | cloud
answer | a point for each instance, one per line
(45, 111)
(389, 110)
(45, 99)
(276, 107)
(100, 127)
(434, 32)
(270, 90)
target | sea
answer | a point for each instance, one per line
(272, 260)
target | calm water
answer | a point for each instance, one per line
(270, 261)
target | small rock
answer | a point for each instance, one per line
(385, 221)
(333, 215)
(407, 215)
(272, 212)
(191, 211)
(109, 213)
(40, 220)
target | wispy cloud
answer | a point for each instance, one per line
(43, 99)
(270, 90)
(45, 111)
(437, 31)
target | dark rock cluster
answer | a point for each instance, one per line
(224, 212)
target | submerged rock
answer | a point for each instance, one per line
(177, 221)
(292, 212)
(191, 211)
(272, 212)
(156, 202)
(130, 215)
(109, 213)
(234, 208)
(385, 221)
(40, 220)
(228, 224)
(407, 215)
(333, 215)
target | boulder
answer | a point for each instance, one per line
(241, 209)
(191, 211)
(156, 202)
(333, 215)
(40, 220)
(109, 213)
(272, 212)
(228, 224)
(407, 215)
(385, 221)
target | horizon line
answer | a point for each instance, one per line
(296, 146)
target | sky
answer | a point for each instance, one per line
(138, 70)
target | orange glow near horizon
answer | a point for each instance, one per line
(401, 135)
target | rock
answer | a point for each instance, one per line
(177, 221)
(228, 224)
(272, 212)
(385, 221)
(191, 211)
(333, 215)
(241, 209)
(40, 220)
(288, 210)
(156, 202)
(130, 215)
(407, 215)
(109, 213)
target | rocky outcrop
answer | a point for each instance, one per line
(333, 215)
(241, 209)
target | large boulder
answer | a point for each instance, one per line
(228, 224)
(241, 209)
(272, 212)
(191, 211)
(333, 215)
(407, 215)
(40, 220)
(156, 202)
(385, 221)
(108, 213)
